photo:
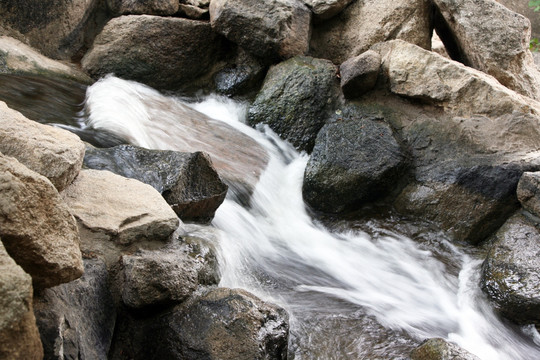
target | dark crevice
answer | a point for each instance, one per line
(451, 43)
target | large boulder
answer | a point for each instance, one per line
(325, 9)
(54, 153)
(499, 48)
(278, 29)
(36, 227)
(164, 52)
(528, 192)
(365, 23)
(296, 99)
(140, 7)
(510, 271)
(112, 208)
(76, 320)
(440, 349)
(19, 336)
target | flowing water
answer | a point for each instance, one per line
(369, 287)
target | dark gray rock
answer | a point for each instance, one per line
(355, 159)
(243, 75)
(510, 272)
(187, 181)
(359, 74)
(528, 192)
(76, 320)
(296, 99)
(440, 349)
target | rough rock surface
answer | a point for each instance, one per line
(278, 29)
(163, 52)
(523, 8)
(499, 48)
(510, 272)
(140, 7)
(76, 320)
(36, 227)
(325, 9)
(111, 207)
(187, 181)
(528, 192)
(365, 23)
(54, 153)
(355, 159)
(19, 336)
(359, 74)
(440, 349)
(296, 99)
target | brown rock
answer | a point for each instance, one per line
(359, 74)
(140, 7)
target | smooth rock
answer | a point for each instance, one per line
(528, 192)
(325, 9)
(365, 23)
(19, 336)
(296, 99)
(76, 320)
(499, 48)
(140, 7)
(359, 74)
(36, 227)
(440, 349)
(111, 207)
(278, 29)
(52, 152)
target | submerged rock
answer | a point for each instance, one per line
(440, 349)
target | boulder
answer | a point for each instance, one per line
(510, 271)
(440, 349)
(244, 75)
(165, 53)
(36, 227)
(54, 153)
(112, 208)
(355, 159)
(187, 181)
(140, 7)
(296, 99)
(169, 275)
(499, 48)
(278, 29)
(325, 9)
(523, 8)
(365, 23)
(19, 336)
(219, 324)
(60, 29)
(76, 320)
(528, 192)
(359, 74)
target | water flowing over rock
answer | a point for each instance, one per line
(359, 74)
(365, 23)
(76, 320)
(277, 28)
(499, 48)
(36, 227)
(528, 192)
(163, 52)
(140, 7)
(440, 349)
(19, 336)
(325, 9)
(54, 153)
(187, 181)
(296, 99)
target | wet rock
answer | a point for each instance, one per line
(440, 349)
(359, 74)
(528, 192)
(163, 52)
(355, 159)
(325, 9)
(140, 7)
(54, 153)
(365, 23)
(112, 208)
(510, 272)
(76, 320)
(187, 181)
(19, 336)
(245, 74)
(36, 227)
(296, 99)
(499, 48)
(278, 29)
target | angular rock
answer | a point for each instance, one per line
(359, 74)
(245, 74)
(510, 272)
(54, 153)
(111, 207)
(187, 181)
(194, 12)
(523, 8)
(278, 29)
(528, 192)
(169, 275)
(296, 99)
(499, 48)
(355, 159)
(76, 320)
(325, 9)
(440, 349)
(36, 227)
(365, 23)
(140, 7)
(163, 52)
(19, 336)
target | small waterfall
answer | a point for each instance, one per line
(362, 291)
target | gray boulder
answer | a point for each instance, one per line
(296, 99)
(140, 7)
(528, 192)
(523, 8)
(325, 9)
(243, 75)
(76, 320)
(359, 74)
(440, 349)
